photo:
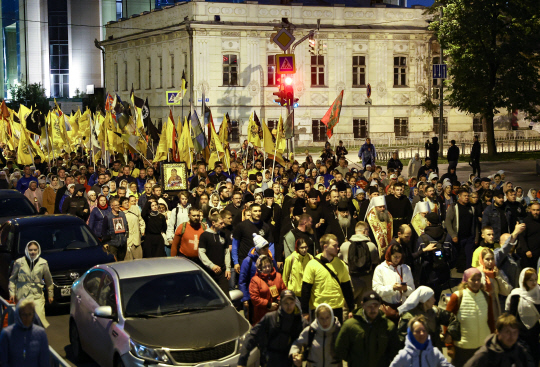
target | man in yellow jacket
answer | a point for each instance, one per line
(326, 280)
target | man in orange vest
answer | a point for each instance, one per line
(187, 235)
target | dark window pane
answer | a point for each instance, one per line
(321, 60)
(234, 80)
(233, 59)
(362, 60)
(313, 60)
(64, 62)
(313, 79)
(225, 59)
(396, 60)
(396, 79)
(403, 81)
(362, 79)
(321, 79)
(225, 79)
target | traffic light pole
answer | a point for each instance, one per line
(441, 96)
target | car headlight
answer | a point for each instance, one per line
(149, 353)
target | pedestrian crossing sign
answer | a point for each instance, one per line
(285, 64)
(174, 98)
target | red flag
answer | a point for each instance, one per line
(331, 118)
(175, 153)
(4, 110)
(108, 102)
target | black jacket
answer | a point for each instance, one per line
(475, 151)
(273, 335)
(453, 153)
(494, 355)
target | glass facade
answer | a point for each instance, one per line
(11, 55)
(58, 48)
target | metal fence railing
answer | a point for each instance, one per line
(8, 310)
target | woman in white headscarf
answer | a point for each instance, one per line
(531, 197)
(524, 303)
(29, 276)
(418, 220)
(324, 329)
(422, 302)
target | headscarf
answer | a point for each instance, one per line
(519, 199)
(528, 299)
(409, 182)
(31, 262)
(489, 274)
(467, 274)
(531, 197)
(415, 342)
(331, 317)
(432, 176)
(421, 294)
(388, 257)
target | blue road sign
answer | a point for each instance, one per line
(205, 100)
(439, 71)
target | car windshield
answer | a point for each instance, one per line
(15, 207)
(167, 294)
(57, 237)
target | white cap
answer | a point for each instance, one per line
(259, 241)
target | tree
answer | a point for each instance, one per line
(493, 50)
(30, 95)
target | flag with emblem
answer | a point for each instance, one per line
(331, 118)
(253, 132)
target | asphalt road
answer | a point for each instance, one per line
(521, 173)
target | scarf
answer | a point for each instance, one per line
(528, 299)
(415, 342)
(106, 206)
(154, 213)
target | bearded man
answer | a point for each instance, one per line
(419, 222)
(343, 224)
(380, 222)
(314, 209)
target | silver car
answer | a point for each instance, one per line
(161, 311)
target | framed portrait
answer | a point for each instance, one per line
(174, 176)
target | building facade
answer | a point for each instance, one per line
(233, 65)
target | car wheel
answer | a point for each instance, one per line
(78, 353)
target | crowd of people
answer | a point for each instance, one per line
(335, 263)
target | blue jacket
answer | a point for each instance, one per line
(365, 155)
(95, 222)
(140, 184)
(22, 346)
(24, 183)
(64, 197)
(248, 270)
(491, 218)
(93, 179)
(410, 356)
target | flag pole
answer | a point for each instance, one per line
(48, 148)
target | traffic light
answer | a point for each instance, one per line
(289, 92)
(280, 96)
(312, 44)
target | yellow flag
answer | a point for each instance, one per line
(268, 144)
(215, 147)
(185, 145)
(163, 148)
(253, 132)
(224, 130)
(169, 131)
(281, 142)
(191, 146)
(24, 155)
(23, 114)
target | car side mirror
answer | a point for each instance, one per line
(236, 295)
(104, 312)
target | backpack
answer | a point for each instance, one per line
(359, 253)
(440, 264)
(307, 348)
(183, 228)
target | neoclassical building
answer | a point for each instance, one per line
(226, 52)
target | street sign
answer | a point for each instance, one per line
(174, 97)
(285, 64)
(368, 90)
(206, 100)
(284, 39)
(439, 71)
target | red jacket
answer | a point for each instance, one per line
(261, 296)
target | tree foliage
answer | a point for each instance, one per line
(493, 51)
(30, 95)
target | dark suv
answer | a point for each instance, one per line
(13, 204)
(66, 243)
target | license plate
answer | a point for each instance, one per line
(64, 292)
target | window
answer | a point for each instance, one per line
(235, 134)
(119, 9)
(477, 124)
(115, 77)
(230, 70)
(436, 125)
(436, 83)
(400, 71)
(107, 294)
(149, 74)
(172, 71)
(360, 128)
(359, 71)
(125, 75)
(317, 71)
(401, 127)
(92, 282)
(272, 124)
(58, 48)
(160, 59)
(273, 76)
(319, 130)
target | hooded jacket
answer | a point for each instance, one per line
(494, 355)
(410, 356)
(249, 268)
(97, 217)
(22, 346)
(261, 293)
(28, 278)
(75, 205)
(322, 351)
(367, 344)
